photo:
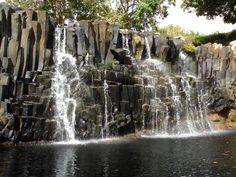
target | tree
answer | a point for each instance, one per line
(62, 9)
(127, 13)
(25, 3)
(138, 13)
(213, 8)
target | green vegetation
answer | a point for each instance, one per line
(188, 36)
(139, 14)
(106, 66)
(223, 38)
(193, 39)
(128, 13)
(61, 9)
(189, 48)
(213, 8)
(173, 31)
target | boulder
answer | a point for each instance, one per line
(120, 55)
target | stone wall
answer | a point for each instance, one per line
(217, 67)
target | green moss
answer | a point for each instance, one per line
(105, 66)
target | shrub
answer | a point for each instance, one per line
(105, 66)
(223, 38)
(189, 48)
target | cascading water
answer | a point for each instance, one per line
(172, 104)
(178, 107)
(125, 41)
(65, 74)
(105, 130)
(148, 50)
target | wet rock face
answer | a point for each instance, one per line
(216, 66)
(27, 69)
(138, 90)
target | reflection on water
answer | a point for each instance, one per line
(196, 156)
(65, 162)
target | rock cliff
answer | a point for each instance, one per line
(217, 66)
(121, 90)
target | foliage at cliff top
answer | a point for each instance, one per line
(194, 39)
(223, 38)
(188, 36)
(128, 13)
(174, 31)
(213, 8)
(138, 13)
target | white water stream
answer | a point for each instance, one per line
(65, 74)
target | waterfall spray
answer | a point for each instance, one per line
(64, 102)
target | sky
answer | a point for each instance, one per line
(189, 21)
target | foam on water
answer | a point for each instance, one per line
(188, 135)
(92, 141)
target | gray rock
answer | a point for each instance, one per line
(12, 50)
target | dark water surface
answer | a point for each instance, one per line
(200, 156)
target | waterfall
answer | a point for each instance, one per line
(178, 106)
(148, 50)
(105, 91)
(125, 41)
(171, 103)
(65, 75)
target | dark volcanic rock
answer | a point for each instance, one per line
(108, 68)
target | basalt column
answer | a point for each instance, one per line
(25, 54)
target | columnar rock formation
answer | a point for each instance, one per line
(24, 53)
(217, 66)
(106, 55)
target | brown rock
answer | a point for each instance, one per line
(215, 117)
(138, 45)
(232, 115)
(27, 43)
(43, 19)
